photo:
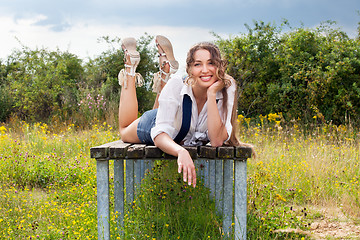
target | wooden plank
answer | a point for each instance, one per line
(226, 152)
(207, 152)
(136, 151)
(193, 151)
(102, 151)
(118, 150)
(243, 152)
(153, 152)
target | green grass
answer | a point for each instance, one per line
(48, 185)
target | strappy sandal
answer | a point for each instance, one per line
(166, 51)
(129, 47)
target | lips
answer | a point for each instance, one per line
(206, 78)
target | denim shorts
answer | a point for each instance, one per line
(146, 123)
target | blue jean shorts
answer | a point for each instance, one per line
(146, 123)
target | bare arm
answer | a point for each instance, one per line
(216, 128)
(185, 163)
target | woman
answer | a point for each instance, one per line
(212, 92)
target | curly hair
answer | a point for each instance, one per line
(215, 54)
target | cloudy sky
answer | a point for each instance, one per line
(76, 25)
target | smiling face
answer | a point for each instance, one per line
(203, 69)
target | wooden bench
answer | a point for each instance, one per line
(223, 170)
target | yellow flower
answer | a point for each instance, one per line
(3, 129)
(240, 118)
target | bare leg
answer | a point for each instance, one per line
(128, 112)
(128, 105)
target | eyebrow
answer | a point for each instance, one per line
(201, 61)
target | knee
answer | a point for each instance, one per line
(128, 135)
(123, 134)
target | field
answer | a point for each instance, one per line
(303, 184)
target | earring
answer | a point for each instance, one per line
(189, 80)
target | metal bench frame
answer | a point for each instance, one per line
(221, 169)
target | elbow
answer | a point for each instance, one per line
(216, 143)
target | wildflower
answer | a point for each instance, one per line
(240, 118)
(2, 129)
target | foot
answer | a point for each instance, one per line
(131, 56)
(131, 61)
(167, 63)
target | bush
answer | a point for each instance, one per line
(303, 73)
(42, 83)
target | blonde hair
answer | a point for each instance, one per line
(215, 54)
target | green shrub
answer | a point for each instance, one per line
(42, 83)
(303, 73)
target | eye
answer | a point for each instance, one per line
(196, 64)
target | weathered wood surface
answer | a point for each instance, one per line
(120, 150)
(223, 169)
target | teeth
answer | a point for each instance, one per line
(206, 78)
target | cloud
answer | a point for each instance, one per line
(219, 16)
(82, 38)
(75, 25)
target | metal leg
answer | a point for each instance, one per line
(129, 181)
(219, 188)
(137, 175)
(119, 192)
(206, 173)
(228, 195)
(240, 200)
(212, 178)
(102, 176)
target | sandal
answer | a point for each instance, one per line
(129, 47)
(166, 55)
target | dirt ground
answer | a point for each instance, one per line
(332, 225)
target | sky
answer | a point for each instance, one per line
(77, 25)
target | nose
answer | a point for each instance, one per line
(204, 68)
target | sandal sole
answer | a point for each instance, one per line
(166, 46)
(130, 45)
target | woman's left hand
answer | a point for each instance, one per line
(215, 87)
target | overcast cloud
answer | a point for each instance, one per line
(77, 24)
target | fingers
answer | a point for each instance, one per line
(185, 174)
(186, 165)
(194, 178)
(189, 174)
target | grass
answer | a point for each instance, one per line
(48, 184)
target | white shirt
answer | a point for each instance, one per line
(169, 115)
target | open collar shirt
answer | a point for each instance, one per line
(169, 115)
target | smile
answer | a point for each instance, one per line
(205, 78)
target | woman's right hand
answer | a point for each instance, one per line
(184, 160)
(186, 165)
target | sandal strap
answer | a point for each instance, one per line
(139, 80)
(132, 70)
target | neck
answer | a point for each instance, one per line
(200, 97)
(199, 94)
